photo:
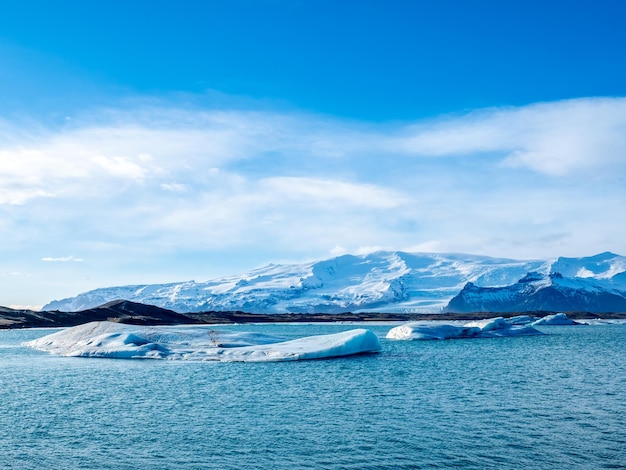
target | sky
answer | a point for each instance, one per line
(159, 141)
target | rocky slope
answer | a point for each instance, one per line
(534, 292)
(119, 310)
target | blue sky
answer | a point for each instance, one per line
(147, 142)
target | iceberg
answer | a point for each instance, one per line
(488, 328)
(521, 320)
(115, 340)
(556, 319)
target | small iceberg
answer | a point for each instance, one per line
(556, 319)
(521, 320)
(489, 328)
(121, 341)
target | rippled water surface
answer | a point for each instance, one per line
(554, 401)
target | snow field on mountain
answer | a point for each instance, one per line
(388, 281)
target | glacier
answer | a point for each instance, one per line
(488, 328)
(120, 341)
(393, 281)
(388, 281)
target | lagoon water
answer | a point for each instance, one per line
(552, 401)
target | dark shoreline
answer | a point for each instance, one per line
(141, 314)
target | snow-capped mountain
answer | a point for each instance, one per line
(593, 284)
(390, 281)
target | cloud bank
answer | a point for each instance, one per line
(550, 138)
(150, 181)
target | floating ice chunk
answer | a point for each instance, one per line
(115, 340)
(488, 328)
(556, 319)
(521, 320)
(109, 339)
(421, 331)
(347, 343)
(604, 321)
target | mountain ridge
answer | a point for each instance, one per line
(124, 311)
(534, 292)
(388, 281)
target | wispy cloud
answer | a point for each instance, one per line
(174, 187)
(62, 259)
(130, 186)
(121, 167)
(552, 138)
(178, 147)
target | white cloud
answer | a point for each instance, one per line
(36, 308)
(129, 188)
(247, 212)
(174, 187)
(331, 193)
(62, 259)
(428, 246)
(18, 196)
(184, 147)
(552, 138)
(120, 166)
(338, 250)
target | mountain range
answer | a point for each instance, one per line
(390, 281)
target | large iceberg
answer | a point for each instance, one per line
(116, 340)
(489, 328)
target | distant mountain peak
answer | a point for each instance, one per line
(538, 292)
(390, 281)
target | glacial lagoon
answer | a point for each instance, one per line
(549, 401)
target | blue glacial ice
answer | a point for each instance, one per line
(116, 340)
(556, 319)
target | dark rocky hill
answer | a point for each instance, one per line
(124, 311)
(118, 310)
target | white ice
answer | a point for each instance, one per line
(556, 319)
(489, 328)
(521, 320)
(116, 340)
